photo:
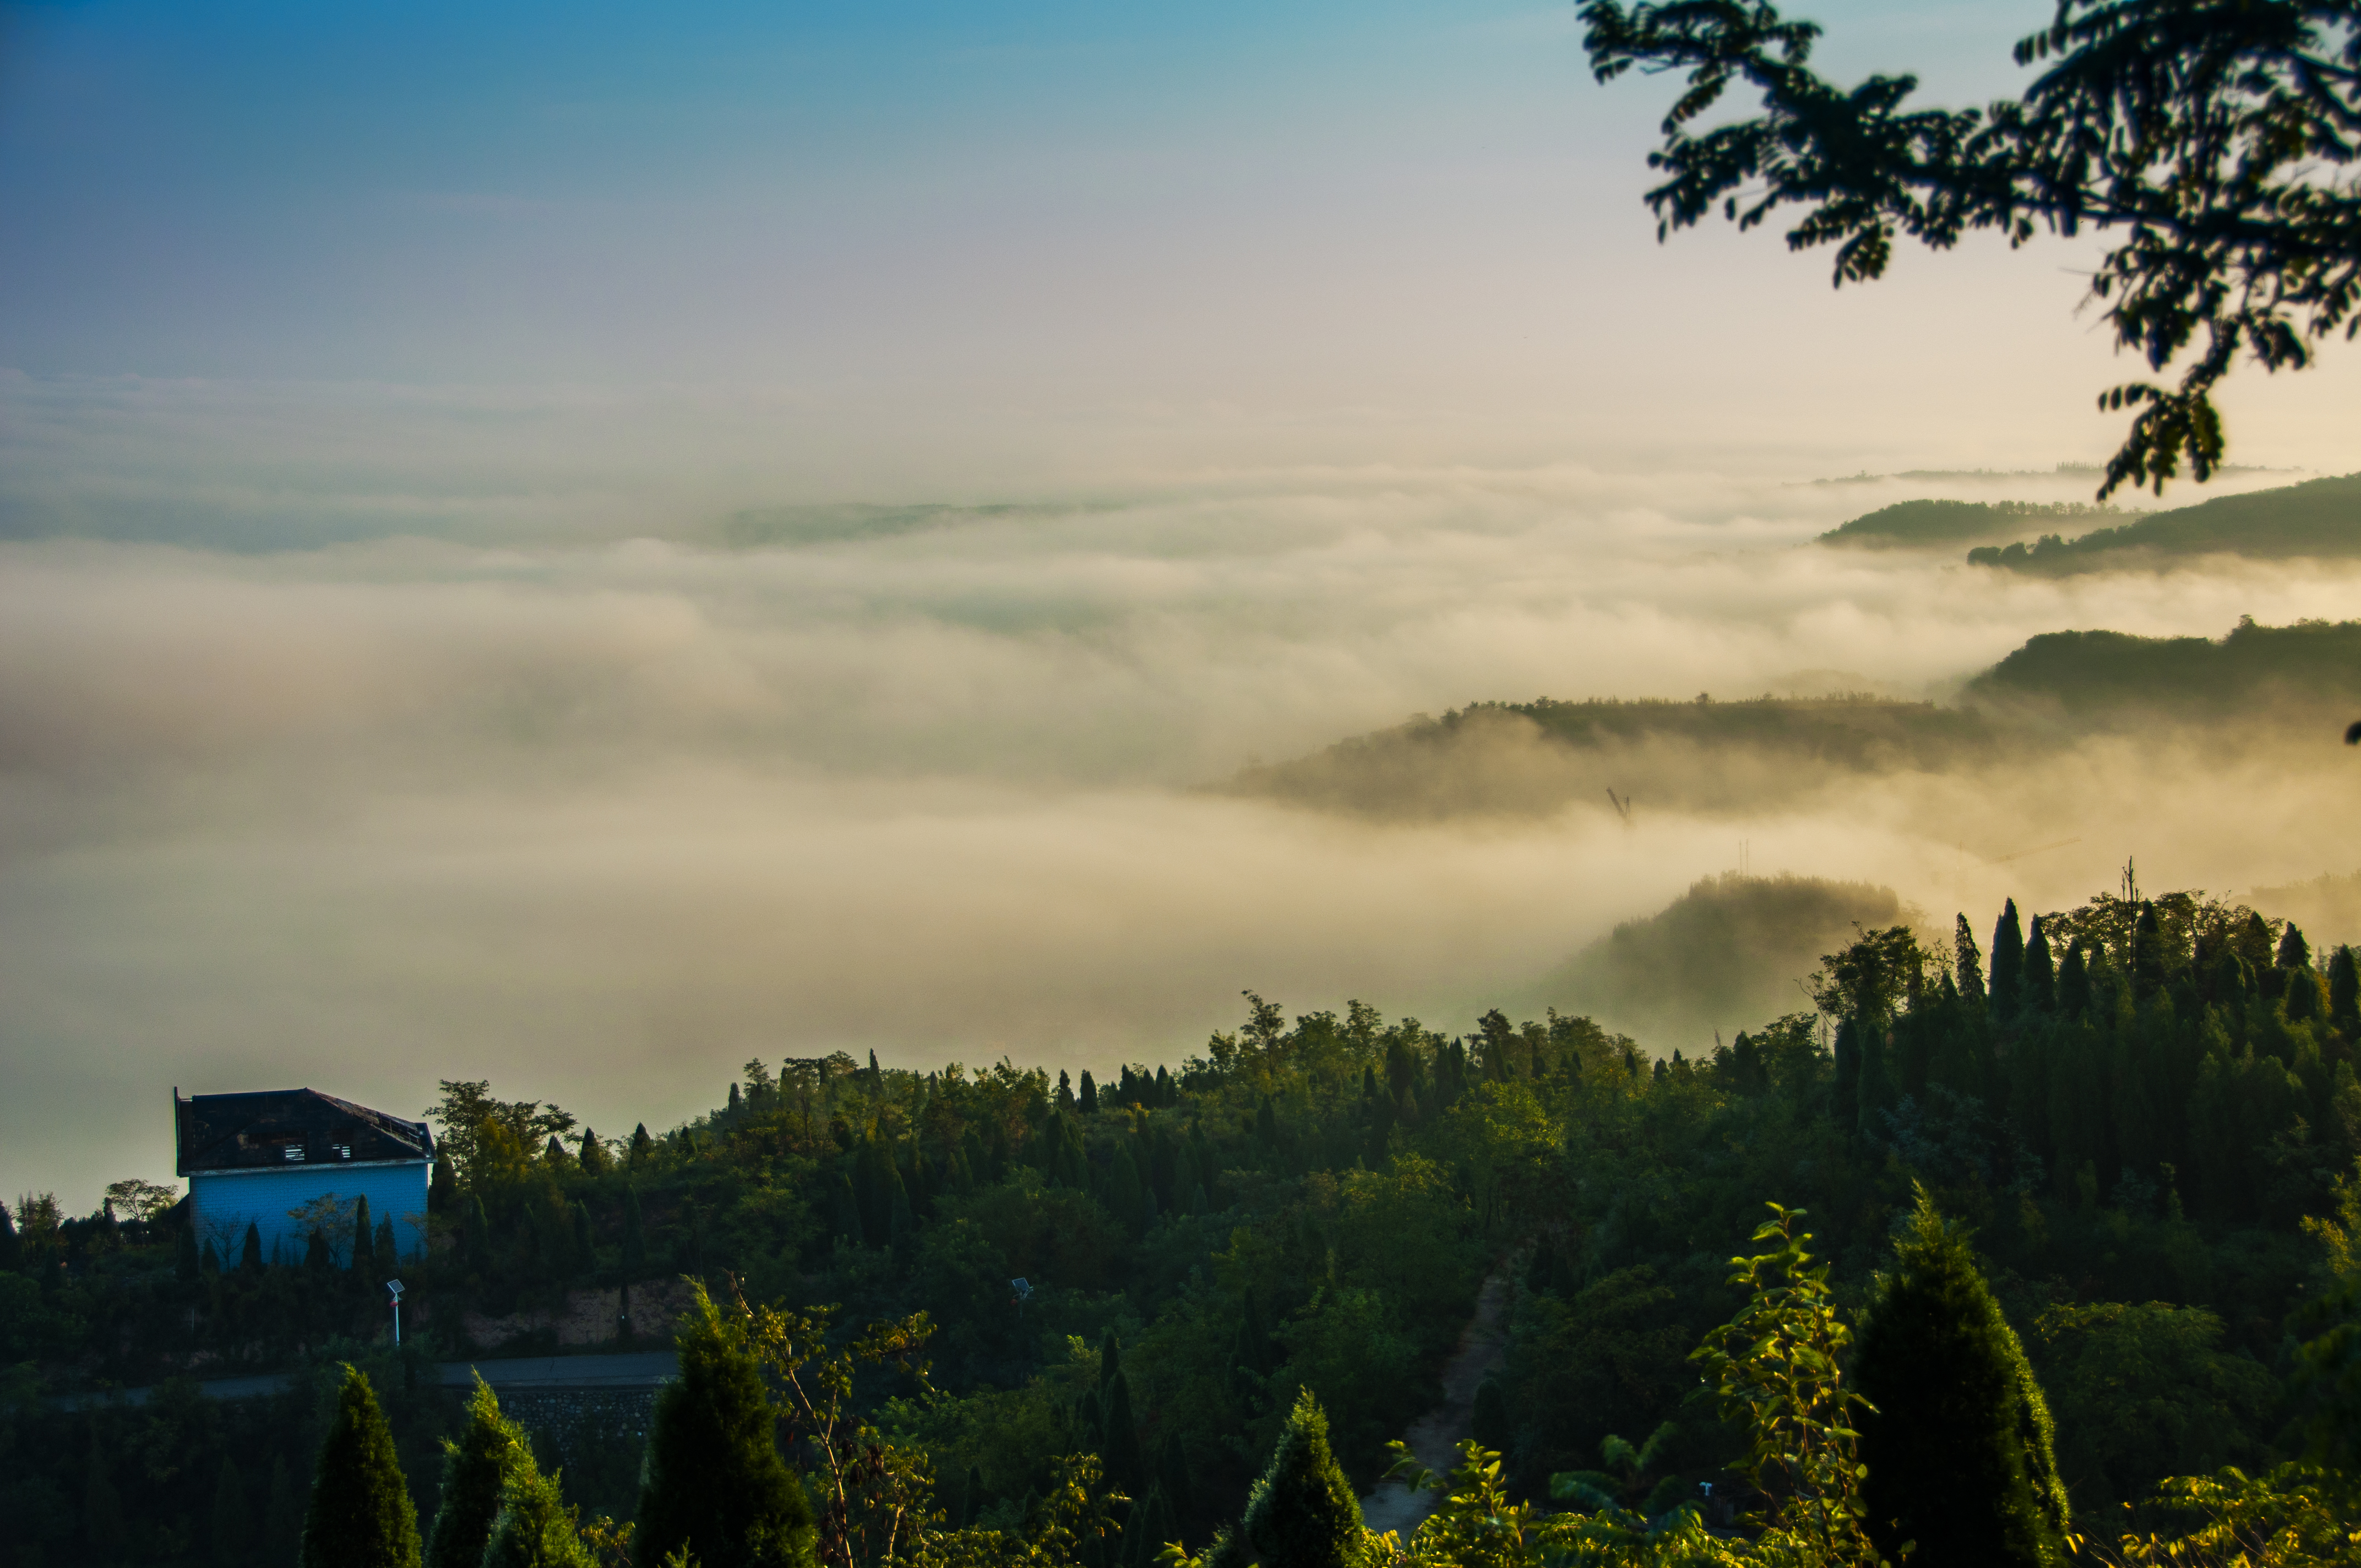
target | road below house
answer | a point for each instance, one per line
(1434, 1438)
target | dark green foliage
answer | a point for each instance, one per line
(282, 1516)
(534, 1528)
(488, 1446)
(233, 1518)
(361, 1515)
(12, 1250)
(1967, 963)
(2008, 961)
(186, 1262)
(1490, 1424)
(101, 1506)
(1959, 1447)
(1089, 1095)
(1119, 1446)
(1303, 1512)
(2040, 985)
(249, 1252)
(443, 1188)
(715, 1480)
(362, 1258)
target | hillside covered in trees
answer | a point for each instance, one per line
(2319, 519)
(2129, 1128)
(2253, 683)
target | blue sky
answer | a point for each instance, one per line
(826, 195)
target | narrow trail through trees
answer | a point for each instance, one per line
(1436, 1437)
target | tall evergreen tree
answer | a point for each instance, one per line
(387, 1250)
(186, 1262)
(1303, 1512)
(534, 1528)
(2345, 993)
(1967, 963)
(594, 1155)
(714, 1480)
(2008, 961)
(12, 1246)
(360, 1260)
(249, 1254)
(442, 1190)
(233, 1521)
(2073, 983)
(487, 1447)
(2041, 983)
(1089, 1095)
(1959, 1447)
(1119, 1446)
(361, 1515)
(636, 1236)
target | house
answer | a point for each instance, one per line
(287, 1161)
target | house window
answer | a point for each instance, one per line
(344, 1151)
(292, 1152)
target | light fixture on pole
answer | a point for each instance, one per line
(393, 1287)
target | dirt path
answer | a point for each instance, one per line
(1436, 1437)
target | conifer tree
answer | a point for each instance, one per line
(12, 1246)
(1845, 1092)
(1119, 1447)
(2039, 989)
(186, 1264)
(594, 1155)
(1173, 1478)
(249, 1256)
(387, 1250)
(2345, 993)
(714, 1481)
(2073, 983)
(1303, 1512)
(233, 1521)
(534, 1528)
(636, 1236)
(1967, 963)
(2008, 961)
(442, 1190)
(643, 1146)
(1089, 1095)
(585, 1247)
(487, 1447)
(361, 1515)
(1957, 1446)
(363, 1234)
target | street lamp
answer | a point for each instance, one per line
(393, 1287)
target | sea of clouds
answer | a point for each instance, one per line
(452, 738)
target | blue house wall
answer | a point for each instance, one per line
(225, 1201)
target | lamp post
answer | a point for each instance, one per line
(393, 1287)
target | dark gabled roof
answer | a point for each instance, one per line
(254, 1132)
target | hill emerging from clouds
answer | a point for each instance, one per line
(2320, 518)
(2258, 684)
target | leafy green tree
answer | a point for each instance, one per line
(715, 1483)
(361, 1515)
(1958, 1438)
(1630, 1480)
(487, 1447)
(1303, 1512)
(2192, 131)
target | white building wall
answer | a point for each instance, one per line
(225, 1201)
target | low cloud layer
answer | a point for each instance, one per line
(599, 810)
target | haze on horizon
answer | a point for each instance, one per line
(382, 699)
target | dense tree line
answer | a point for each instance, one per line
(2119, 1139)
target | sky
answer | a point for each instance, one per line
(382, 388)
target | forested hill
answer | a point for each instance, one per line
(2147, 1112)
(1932, 524)
(2319, 519)
(1753, 754)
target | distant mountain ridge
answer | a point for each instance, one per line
(1702, 754)
(2319, 517)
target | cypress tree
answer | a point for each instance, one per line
(534, 1528)
(715, 1483)
(2008, 961)
(636, 1236)
(318, 1256)
(594, 1155)
(388, 1251)
(1302, 1513)
(1959, 1446)
(2073, 983)
(1090, 1096)
(442, 1191)
(1147, 1529)
(2041, 983)
(1120, 1446)
(2294, 951)
(1967, 964)
(585, 1249)
(12, 1246)
(1173, 1478)
(186, 1264)
(2343, 994)
(361, 1515)
(643, 1146)
(249, 1256)
(232, 1523)
(358, 1263)
(474, 1465)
